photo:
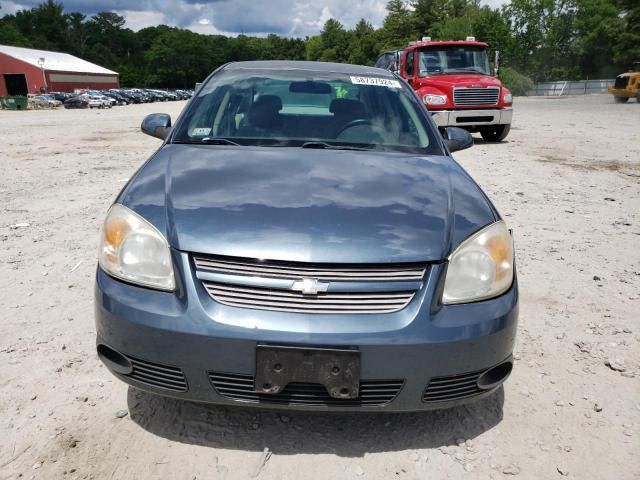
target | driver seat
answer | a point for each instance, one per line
(345, 110)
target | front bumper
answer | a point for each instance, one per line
(621, 92)
(190, 342)
(471, 118)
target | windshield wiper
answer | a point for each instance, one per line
(327, 146)
(218, 141)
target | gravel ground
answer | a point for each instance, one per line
(567, 181)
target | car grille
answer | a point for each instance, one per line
(288, 301)
(296, 271)
(157, 375)
(240, 387)
(476, 96)
(252, 295)
(621, 82)
(454, 387)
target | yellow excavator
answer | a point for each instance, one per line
(627, 85)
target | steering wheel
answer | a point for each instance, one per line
(354, 123)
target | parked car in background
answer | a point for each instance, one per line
(303, 239)
(76, 102)
(119, 99)
(61, 96)
(44, 101)
(95, 102)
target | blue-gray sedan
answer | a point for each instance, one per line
(304, 239)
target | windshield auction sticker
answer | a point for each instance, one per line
(378, 82)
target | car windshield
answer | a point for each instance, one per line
(453, 59)
(299, 108)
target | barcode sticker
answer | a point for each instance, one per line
(201, 131)
(375, 81)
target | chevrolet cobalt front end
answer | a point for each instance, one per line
(303, 239)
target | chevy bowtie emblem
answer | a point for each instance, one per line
(310, 286)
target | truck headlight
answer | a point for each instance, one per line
(434, 99)
(134, 250)
(481, 267)
(507, 97)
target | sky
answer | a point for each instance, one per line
(293, 18)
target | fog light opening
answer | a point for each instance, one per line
(495, 376)
(114, 360)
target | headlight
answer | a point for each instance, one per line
(508, 98)
(434, 99)
(481, 267)
(134, 250)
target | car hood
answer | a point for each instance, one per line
(308, 205)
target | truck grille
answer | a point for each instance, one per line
(369, 298)
(240, 387)
(476, 96)
(621, 82)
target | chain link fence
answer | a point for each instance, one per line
(579, 87)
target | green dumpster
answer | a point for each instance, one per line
(14, 103)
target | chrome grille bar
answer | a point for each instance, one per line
(289, 301)
(295, 271)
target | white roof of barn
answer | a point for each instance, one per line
(56, 61)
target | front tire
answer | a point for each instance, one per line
(495, 133)
(621, 99)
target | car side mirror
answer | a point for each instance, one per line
(157, 125)
(457, 138)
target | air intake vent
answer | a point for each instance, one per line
(240, 387)
(455, 387)
(468, 97)
(157, 375)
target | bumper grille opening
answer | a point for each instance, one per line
(239, 387)
(473, 119)
(157, 375)
(454, 387)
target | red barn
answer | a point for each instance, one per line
(24, 70)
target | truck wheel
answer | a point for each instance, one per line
(495, 133)
(621, 99)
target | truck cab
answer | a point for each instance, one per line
(454, 81)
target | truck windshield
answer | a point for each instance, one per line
(452, 59)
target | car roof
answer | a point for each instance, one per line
(324, 67)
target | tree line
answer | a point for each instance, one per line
(538, 39)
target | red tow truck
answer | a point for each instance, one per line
(454, 81)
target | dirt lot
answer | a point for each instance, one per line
(567, 181)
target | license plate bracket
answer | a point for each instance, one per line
(338, 370)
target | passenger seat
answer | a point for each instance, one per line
(263, 117)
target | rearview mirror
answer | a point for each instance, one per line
(310, 87)
(457, 138)
(157, 125)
